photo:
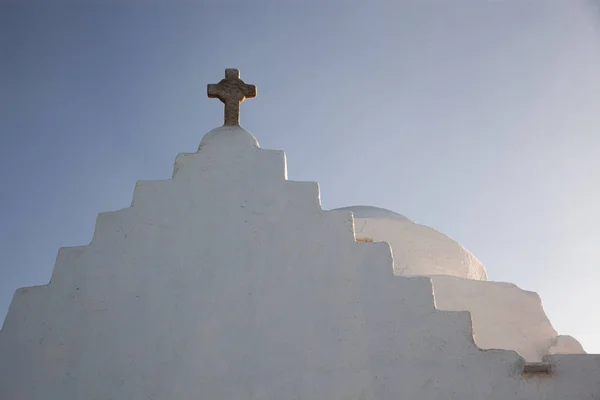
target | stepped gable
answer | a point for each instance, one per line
(230, 282)
(504, 316)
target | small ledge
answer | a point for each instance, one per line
(537, 368)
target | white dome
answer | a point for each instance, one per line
(232, 136)
(417, 249)
(373, 212)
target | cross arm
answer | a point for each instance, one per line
(214, 91)
(250, 91)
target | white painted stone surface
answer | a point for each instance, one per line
(564, 344)
(418, 249)
(504, 316)
(229, 282)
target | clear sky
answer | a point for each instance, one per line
(478, 118)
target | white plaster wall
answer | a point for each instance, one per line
(420, 250)
(229, 282)
(504, 316)
(564, 344)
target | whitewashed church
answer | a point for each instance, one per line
(230, 282)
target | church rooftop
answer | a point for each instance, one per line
(373, 212)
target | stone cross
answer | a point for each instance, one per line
(231, 91)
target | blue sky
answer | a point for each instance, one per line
(478, 118)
